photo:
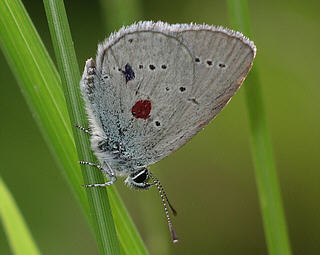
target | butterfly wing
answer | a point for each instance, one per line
(157, 85)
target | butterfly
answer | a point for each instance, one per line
(152, 87)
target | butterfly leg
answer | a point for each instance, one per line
(88, 131)
(112, 180)
(109, 172)
(91, 164)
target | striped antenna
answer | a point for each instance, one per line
(164, 198)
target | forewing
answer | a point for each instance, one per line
(158, 85)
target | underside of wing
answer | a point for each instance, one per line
(157, 85)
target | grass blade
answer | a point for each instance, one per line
(40, 84)
(130, 240)
(18, 234)
(265, 169)
(70, 76)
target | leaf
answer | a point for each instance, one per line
(18, 234)
(265, 169)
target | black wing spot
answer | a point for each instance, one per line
(140, 66)
(128, 73)
(182, 89)
(209, 62)
(157, 123)
(197, 60)
(167, 88)
(130, 40)
(152, 67)
(164, 67)
(221, 65)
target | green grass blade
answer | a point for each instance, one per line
(129, 238)
(130, 241)
(265, 169)
(18, 234)
(41, 87)
(40, 84)
(70, 76)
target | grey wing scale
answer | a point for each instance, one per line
(188, 73)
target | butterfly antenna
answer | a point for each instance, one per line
(164, 198)
(155, 180)
(174, 212)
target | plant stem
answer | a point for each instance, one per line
(69, 72)
(18, 234)
(265, 169)
(40, 85)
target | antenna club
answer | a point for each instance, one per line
(174, 236)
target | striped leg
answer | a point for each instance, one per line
(112, 180)
(110, 175)
(91, 164)
(88, 131)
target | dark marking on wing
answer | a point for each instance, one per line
(128, 73)
(193, 100)
(141, 109)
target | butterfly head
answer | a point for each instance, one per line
(139, 179)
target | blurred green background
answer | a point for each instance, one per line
(210, 180)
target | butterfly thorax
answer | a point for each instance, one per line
(114, 153)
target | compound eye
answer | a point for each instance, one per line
(141, 176)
